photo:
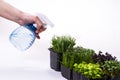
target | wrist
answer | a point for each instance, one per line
(20, 19)
(25, 18)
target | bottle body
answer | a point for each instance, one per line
(23, 37)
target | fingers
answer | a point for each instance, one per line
(40, 30)
(37, 35)
(40, 27)
(39, 24)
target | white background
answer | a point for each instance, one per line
(94, 23)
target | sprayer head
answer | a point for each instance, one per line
(46, 22)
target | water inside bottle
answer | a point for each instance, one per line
(22, 38)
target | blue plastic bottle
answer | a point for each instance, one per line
(24, 36)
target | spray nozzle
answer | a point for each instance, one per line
(45, 20)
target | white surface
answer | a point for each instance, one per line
(29, 73)
(94, 23)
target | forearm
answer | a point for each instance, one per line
(9, 12)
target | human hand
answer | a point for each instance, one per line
(40, 27)
(28, 18)
(11, 13)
